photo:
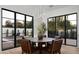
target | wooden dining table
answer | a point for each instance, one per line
(44, 40)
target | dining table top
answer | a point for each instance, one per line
(35, 39)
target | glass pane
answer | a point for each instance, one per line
(8, 22)
(28, 18)
(19, 24)
(73, 23)
(19, 27)
(71, 33)
(71, 17)
(60, 26)
(7, 14)
(20, 17)
(29, 26)
(29, 32)
(51, 27)
(7, 30)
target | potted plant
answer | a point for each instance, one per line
(41, 30)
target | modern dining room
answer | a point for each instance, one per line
(39, 29)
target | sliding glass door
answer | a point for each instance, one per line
(14, 26)
(64, 26)
(60, 26)
(7, 29)
(19, 27)
(71, 29)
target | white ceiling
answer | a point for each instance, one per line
(34, 10)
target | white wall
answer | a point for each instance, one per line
(63, 11)
(0, 30)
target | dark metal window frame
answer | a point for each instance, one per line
(15, 26)
(65, 25)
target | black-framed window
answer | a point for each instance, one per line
(71, 29)
(51, 27)
(7, 29)
(65, 26)
(14, 26)
(29, 26)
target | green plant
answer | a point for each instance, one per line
(41, 28)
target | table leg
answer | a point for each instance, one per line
(40, 47)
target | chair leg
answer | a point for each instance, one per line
(29, 52)
(59, 52)
(53, 52)
(22, 52)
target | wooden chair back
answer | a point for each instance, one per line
(29, 47)
(25, 45)
(56, 46)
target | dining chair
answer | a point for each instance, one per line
(56, 46)
(24, 45)
(27, 47)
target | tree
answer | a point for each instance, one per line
(19, 25)
(8, 23)
(42, 28)
(59, 25)
(68, 25)
(51, 25)
(29, 24)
